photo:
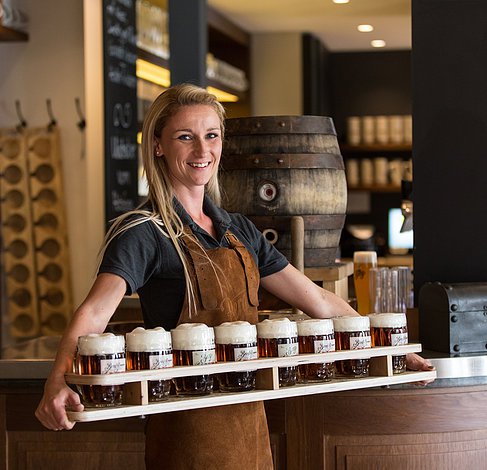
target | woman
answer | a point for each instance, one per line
(160, 252)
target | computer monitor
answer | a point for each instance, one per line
(399, 243)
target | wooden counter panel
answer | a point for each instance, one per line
(437, 451)
(406, 429)
(76, 451)
(420, 410)
(27, 445)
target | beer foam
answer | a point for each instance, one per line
(100, 344)
(192, 337)
(388, 320)
(140, 340)
(277, 328)
(365, 257)
(236, 332)
(315, 327)
(351, 323)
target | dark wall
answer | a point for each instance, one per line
(316, 77)
(450, 129)
(369, 83)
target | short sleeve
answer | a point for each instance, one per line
(132, 255)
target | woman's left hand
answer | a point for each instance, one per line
(417, 363)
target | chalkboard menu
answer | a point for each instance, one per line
(120, 87)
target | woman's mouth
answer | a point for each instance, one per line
(199, 165)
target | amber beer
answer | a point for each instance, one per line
(100, 354)
(151, 350)
(390, 329)
(279, 338)
(193, 345)
(236, 341)
(363, 261)
(316, 336)
(352, 332)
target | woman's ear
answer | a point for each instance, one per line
(157, 148)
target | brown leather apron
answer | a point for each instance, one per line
(226, 437)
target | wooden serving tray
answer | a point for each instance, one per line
(267, 383)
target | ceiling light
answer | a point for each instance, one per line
(378, 43)
(365, 28)
(341, 1)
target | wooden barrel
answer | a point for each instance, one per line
(277, 167)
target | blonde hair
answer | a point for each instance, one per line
(160, 195)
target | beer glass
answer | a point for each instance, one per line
(150, 350)
(363, 261)
(316, 336)
(390, 329)
(352, 332)
(193, 345)
(236, 341)
(279, 338)
(100, 354)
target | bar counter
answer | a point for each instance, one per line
(441, 426)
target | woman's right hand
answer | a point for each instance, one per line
(58, 397)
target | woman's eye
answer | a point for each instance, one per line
(212, 135)
(184, 137)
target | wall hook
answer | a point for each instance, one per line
(82, 121)
(22, 122)
(52, 122)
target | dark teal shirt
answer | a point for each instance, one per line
(150, 265)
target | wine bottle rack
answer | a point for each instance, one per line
(267, 383)
(18, 249)
(35, 248)
(49, 229)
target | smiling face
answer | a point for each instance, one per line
(191, 144)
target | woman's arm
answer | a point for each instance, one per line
(296, 289)
(91, 317)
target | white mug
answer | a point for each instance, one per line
(395, 171)
(352, 172)
(381, 129)
(368, 129)
(366, 172)
(380, 170)
(396, 129)
(353, 130)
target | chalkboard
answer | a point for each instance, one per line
(120, 88)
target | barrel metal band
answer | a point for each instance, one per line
(280, 125)
(311, 222)
(283, 160)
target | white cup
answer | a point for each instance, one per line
(380, 170)
(352, 171)
(408, 129)
(396, 129)
(368, 129)
(353, 130)
(381, 129)
(395, 171)
(366, 172)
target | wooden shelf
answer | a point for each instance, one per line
(152, 58)
(161, 62)
(12, 35)
(135, 382)
(375, 148)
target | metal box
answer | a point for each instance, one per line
(453, 317)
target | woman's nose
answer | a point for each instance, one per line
(201, 146)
